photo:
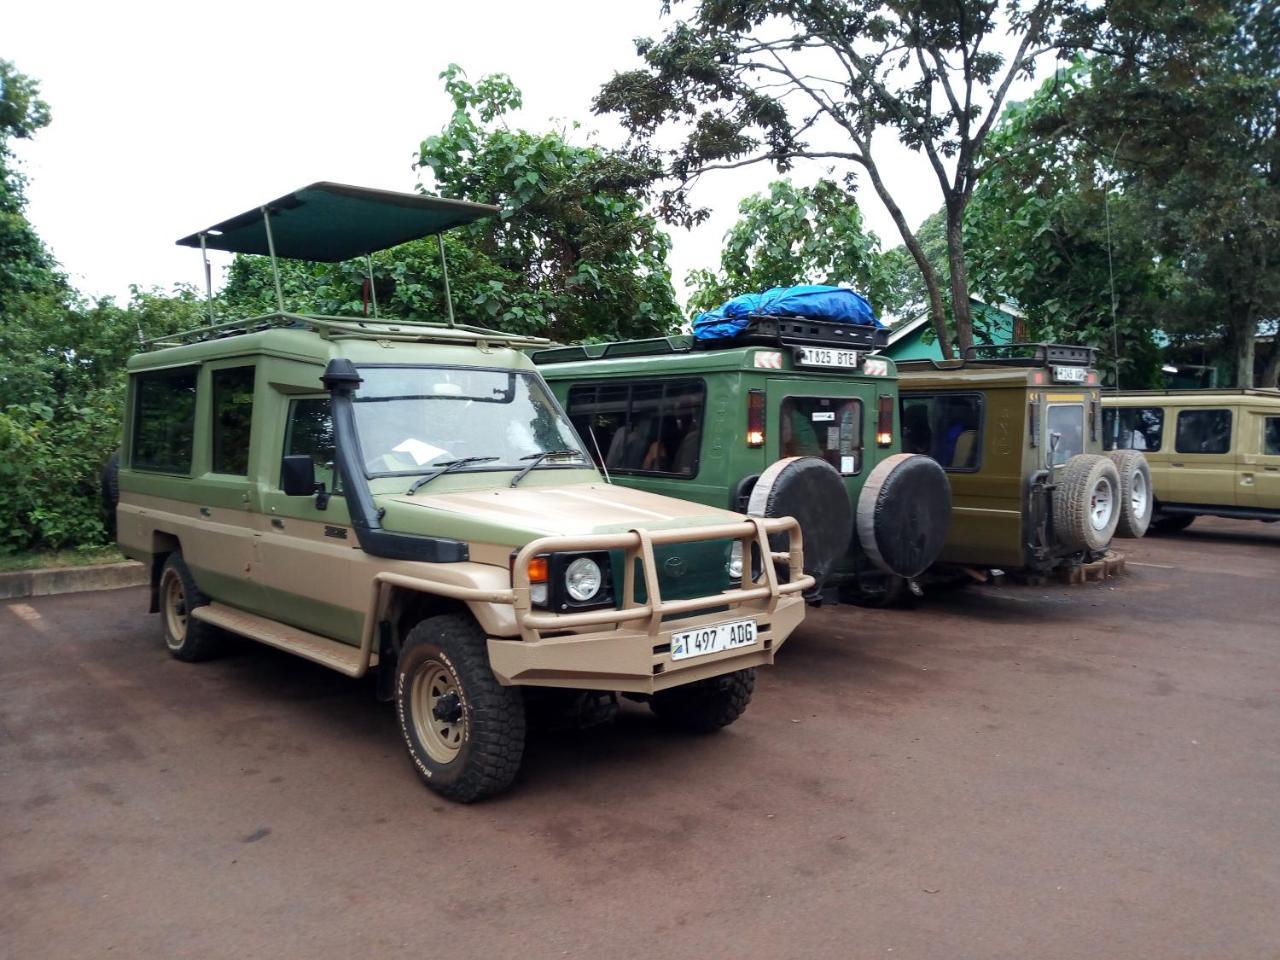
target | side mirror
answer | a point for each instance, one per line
(298, 475)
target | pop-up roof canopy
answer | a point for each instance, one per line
(333, 221)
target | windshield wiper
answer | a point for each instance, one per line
(447, 466)
(537, 458)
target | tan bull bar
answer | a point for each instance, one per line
(751, 531)
(639, 544)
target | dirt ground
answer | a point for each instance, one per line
(1005, 772)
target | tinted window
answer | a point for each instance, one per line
(1066, 420)
(1132, 428)
(1204, 431)
(649, 427)
(232, 417)
(830, 429)
(1271, 437)
(947, 427)
(310, 432)
(164, 420)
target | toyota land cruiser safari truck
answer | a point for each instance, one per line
(409, 496)
(791, 417)
(1212, 452)
(1018, 429)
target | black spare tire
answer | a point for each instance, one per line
(904, 513)
(812, 491)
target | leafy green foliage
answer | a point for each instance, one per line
(1149, 170)
(796, 235)
(775, 82)
(572, 255)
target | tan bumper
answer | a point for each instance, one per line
(629, 648)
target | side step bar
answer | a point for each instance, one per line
(333, 654)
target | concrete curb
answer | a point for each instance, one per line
(44, 583)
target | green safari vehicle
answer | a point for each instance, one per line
(792, 417)
(408, 497)
(1018, 429)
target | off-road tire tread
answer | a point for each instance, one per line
(706, 705)
(1128, 461)
(1071, 502)
(496, 730)
(204, 641)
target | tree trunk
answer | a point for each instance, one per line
(937, 309)
(1271, 376)
(1245, 336)
(959, 279)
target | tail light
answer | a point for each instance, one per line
(755, 418)
(884, 422)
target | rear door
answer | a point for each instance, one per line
(827, 419)
(1202, 466)
(1259, 487)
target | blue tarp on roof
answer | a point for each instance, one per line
(818, 302)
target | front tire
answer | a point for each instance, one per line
(707, 705)
(464, 731)
(187, 638)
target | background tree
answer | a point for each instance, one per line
(1136, 194)
(775, 82)
(792, 235)
(573, 254)
(61, 362)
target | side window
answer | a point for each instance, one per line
(164, 416)
(1271, 437)
(1132, 428)
(947, 427)
(232, 419)
(1203, 431)
(649, 427)
(1066, 420)
(827, 428)
(310, 432)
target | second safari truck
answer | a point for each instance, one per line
(409, 496)
(791, 417)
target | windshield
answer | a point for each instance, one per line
(410, 418)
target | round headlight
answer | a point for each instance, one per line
(734, 566)
(583, 579)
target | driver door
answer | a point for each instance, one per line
(308, 555)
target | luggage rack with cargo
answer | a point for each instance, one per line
(766, 331)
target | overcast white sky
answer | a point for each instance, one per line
(171, 116)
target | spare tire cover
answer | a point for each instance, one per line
(812, 491)
(904, 513)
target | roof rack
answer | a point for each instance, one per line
(353, 328)
(1200, 392)
(774, 331)
(1013, 355)
(1030, 354)
(761, 330)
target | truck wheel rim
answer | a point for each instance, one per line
(438, 717)
(1138, 494)
(175, 611)
(1102, 502)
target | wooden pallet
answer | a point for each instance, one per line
(1110, 565)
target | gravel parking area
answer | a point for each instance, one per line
(1002, 772)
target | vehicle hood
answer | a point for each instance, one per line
(570, 509)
